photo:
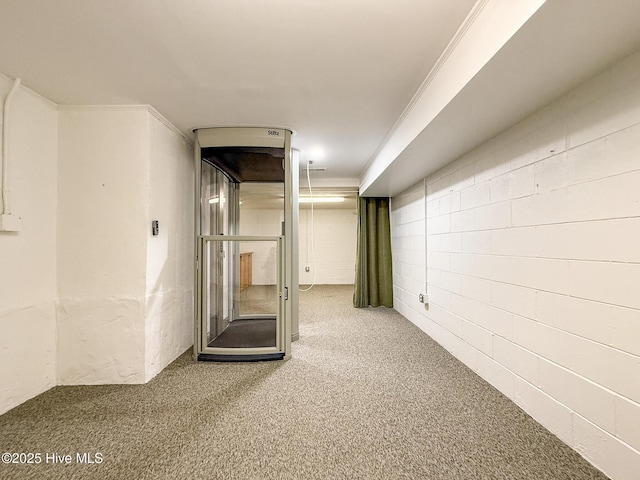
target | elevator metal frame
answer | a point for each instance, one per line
(287, 242)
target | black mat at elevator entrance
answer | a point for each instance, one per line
(247, 333)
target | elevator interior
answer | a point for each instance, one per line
(246, 244)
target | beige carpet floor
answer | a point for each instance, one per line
(366, 396)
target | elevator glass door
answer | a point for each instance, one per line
(238, 317)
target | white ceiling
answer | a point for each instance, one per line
(561, 45)
(338, 72)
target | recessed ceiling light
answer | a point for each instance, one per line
(316, 153)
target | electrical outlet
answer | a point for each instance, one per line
(306, 269)
(10, 223)
(421, 298)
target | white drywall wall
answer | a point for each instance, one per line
(169, 297)
(27, 257)
(126, 296)
(533, 265)
(334, 244)
(102, 244)
(87, 295)
(262, 222)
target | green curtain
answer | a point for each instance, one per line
(374, 279)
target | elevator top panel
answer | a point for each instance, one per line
(241, 137)
(247, 164)
(245, 154)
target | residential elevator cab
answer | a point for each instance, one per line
(246, 244)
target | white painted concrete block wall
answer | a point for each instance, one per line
(27, 257)
(334, 243)
(534, 265)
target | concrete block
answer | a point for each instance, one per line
(498, 376)
(440, 297)
(456, 242)
(520, 241)
(414, 213)
(514, 299)
(450, 281)
(446, 319)
(438, 243)
(522, 182)
(495, 215)
(584, 318)
(494, 320)
(579, 394)
(463, 221)
(580, 202)
(494, 267)
(545, 409)
(614, 283)
(540, 273)
(518, 360)
(463, 264)
(439, 260)
(433, 208)
(546, 342)
(475, 196)
(416, 243)
(604, 240)
(600, 117)
(494, 164)
(622, 149)
(415, 228)
(414, 194)
(438, 188)
(476, 242)
(441, 224)
(606, 366)
(415, 272)
(551, 173)
(627, 421)
(500, 188)
(615, 458)
(589, 162)
(624, 324)
(546, 138)
(446, 242)
(478, 289)
(467, 354)
(446, 339)
(463, 177)
(450, 203)
(478, 337)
